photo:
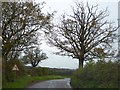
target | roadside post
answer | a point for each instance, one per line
(15, 69)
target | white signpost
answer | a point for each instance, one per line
(15, 68)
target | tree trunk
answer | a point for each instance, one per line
(6, 68)
(81, 60)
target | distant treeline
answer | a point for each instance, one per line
(62, 72)
(48, 71)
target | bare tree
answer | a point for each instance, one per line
(34, 56)
(79, 35)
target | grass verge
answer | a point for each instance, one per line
(25, 81)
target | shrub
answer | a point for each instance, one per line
(42, 71)
(37, 71)
(96, 75)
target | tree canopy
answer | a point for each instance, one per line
(83, 33)
(34, 56)
(20, 23)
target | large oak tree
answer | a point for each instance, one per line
(20, 23)
(84, 34)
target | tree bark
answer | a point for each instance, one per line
(6, 68)
(81, 60)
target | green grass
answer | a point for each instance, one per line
(27, 80)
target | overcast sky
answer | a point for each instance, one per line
(64, 6)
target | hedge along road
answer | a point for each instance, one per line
(57, 83)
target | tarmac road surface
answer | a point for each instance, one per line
(57, 83)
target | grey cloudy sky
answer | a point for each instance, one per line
(64, 6)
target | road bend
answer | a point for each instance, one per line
(57, 83)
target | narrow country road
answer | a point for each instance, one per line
(57, 83)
